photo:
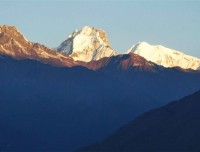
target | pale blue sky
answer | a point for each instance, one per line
(172, 23)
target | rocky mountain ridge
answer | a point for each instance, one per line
(14, 44)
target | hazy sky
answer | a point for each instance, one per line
(175, 24)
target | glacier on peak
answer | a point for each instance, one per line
(87, 44)
(165, 56)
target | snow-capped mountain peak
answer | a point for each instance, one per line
(165, 56)
(87, 44)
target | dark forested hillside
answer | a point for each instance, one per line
(174, 127)
(50, 108)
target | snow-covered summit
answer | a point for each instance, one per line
(165, 56)
(87, 44)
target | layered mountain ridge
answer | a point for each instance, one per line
(77, 106)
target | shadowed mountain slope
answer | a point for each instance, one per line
(174, 127)
(66, 108)
(165, 84)
(53, 108)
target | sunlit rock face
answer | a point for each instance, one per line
(123, 62)
(14, 44)
(87, 44)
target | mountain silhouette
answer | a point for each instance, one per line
(51, 108)
(174, 127)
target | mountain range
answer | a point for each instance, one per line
(82, 91)
(87, 44)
